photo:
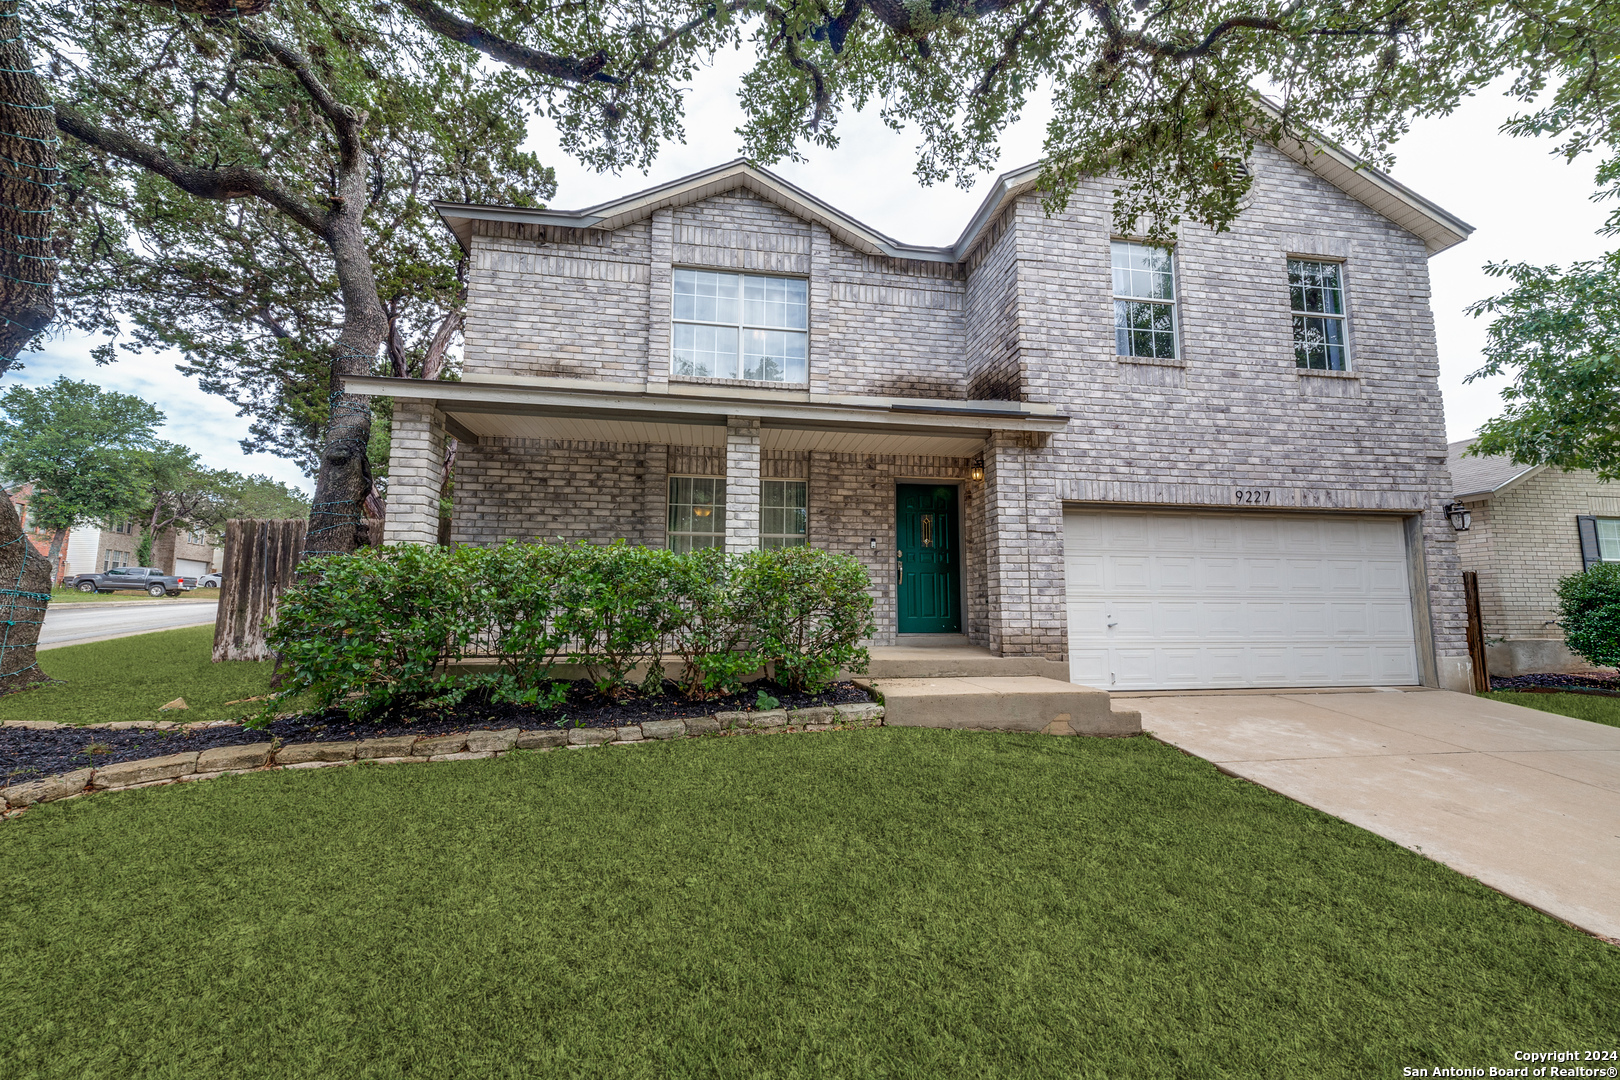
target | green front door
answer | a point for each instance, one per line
(928, 560)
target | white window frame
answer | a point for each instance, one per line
(784, 537)
(1608, 548)
(684, 540)
(1297, 315)
(742, 327)
(1170, 303)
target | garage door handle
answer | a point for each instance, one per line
(1113, 623)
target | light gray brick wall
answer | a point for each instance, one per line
(742, 483)
(1523, 541)
(536, 489)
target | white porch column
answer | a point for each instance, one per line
(742, 483)
(415, 472)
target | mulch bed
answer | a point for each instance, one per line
(27, 754)
(1555, 683)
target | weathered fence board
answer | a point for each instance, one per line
(259, 560)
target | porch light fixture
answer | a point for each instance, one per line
(977, 471)
(1459, 516)
(874, 543)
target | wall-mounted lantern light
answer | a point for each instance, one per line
(1459, 516)
(977, 472)
(874, 543)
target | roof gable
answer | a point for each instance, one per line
(1482, 477)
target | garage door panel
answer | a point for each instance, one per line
(1237, 600)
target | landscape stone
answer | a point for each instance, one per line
(865, 713)
(769, 718)
(590, 736)
(819, 714)
(540, 740)
(663, 729)
(439, 745)
(233, 757)
(47, 790)
(729, 720)
(34, 725)
(317, 764)
(469, 756)
(629, 734)
(177, 703)
(152, 770)
(303, 753)
(492, 741)
(702, 725)
(390, 747)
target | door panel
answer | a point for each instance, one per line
(928, 559)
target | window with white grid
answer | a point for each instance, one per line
(783, 517)
(697, 513)
(1144, 301)
(1316, 297)
(740, 326)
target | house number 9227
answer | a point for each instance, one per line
(1252, 496)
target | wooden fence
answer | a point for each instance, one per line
(259, 560)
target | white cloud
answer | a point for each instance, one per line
(1526, 204)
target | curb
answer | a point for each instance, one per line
(403, 749)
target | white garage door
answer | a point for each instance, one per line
(190, 567)
(1168, 600)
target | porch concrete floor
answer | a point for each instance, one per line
(1000, 703)
(958, 661)
(1527, 802)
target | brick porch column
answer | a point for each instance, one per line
(1023, 542)
(742, 483)
(415, 471)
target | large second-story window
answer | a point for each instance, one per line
(1144, 301)
(1316, 296)
(740, 326)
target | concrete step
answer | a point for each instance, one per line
(958, 662)
(996, 703)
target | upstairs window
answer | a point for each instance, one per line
(1144, 301)
(1316, 295)
(782, 514)
(741, 326)
(697, 513)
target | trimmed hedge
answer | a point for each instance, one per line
(1589, 612)
(379, 629)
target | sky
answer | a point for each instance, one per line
(1526, 205)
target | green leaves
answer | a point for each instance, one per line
(1589, 612)
(385, 628)
(1558, 334)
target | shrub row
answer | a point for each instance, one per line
(381, 627)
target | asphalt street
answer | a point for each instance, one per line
(74, 624)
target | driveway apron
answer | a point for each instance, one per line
(1527, 802)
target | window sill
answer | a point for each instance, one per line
(1324, 373)
(1151, 361)
(756, 384)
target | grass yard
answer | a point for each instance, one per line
(60, 595)
(128, 678)
(1593, 707)
(893, 902)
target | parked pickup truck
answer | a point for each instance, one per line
(153, 582)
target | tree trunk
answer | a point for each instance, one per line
(28, 179)
(59, 539)
(336, 519)
(259, 561)
(25, 589)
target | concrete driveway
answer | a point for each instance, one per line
(77, 624)
(1525, 801)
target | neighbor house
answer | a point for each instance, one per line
(1218, 464)
(1530, 526)
(98, 548)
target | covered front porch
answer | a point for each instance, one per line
(941, 500)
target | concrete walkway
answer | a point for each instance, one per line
(1525, 801)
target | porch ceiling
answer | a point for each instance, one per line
(932, 427)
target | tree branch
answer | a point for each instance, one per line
(567, 68)
(230, 182)
(345, 120)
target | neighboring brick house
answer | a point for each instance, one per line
(1531, 525)
(1222, 465)
(186, 552)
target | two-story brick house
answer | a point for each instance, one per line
(1217, 465)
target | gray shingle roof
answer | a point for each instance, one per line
(1479, 475)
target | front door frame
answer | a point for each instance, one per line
(960, 551)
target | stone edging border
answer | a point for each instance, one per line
(406, 749)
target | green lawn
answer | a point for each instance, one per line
(885, 903)
(1600, 710)
(60, 595)
(128, 678)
